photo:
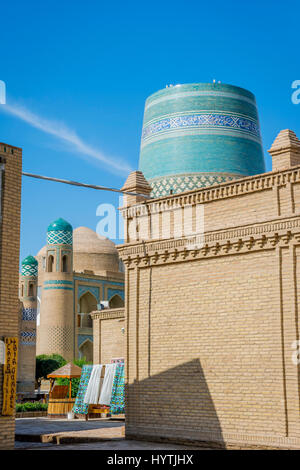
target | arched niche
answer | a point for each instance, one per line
(50, 264)
(86, 350)
(30, 289)
(65, 264)
(87, 303)
(116, 302)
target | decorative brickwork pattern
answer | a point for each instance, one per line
(59, 337)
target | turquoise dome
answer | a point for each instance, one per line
(199, 134)
(60, 224)
(29, 266)
(59, 233)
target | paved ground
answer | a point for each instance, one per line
(36, 426)
(109, 445)
(46, 434)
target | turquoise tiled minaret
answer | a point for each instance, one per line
(29, 266)
(27, 327)
(59, 233)
(57, 322)
(199, 134)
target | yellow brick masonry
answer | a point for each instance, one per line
(210, 328)
(9, 265)
(108, 330)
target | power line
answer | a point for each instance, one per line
(84, 185)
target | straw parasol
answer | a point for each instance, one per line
(68, 371)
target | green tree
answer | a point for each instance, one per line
(45, 364)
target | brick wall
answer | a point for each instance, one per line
(109, 335)
(209, 329)
(9, 264)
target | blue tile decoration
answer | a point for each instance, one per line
(29, 266)
(58, 287)
(28, 338)
(60, 232)
(202, 121)
(199, 134)
(59, 281)
(82, 338)
(59, 238)
(98, 281)
(58, 284)
(83, 288)
(29, 314)
(179, 183)
(112, 292)
(93, 290)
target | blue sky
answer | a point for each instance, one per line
(84, 69)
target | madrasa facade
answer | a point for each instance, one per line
(75, 273)
(212, 275)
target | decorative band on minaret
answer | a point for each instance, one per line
(27, 326)
(56, 329)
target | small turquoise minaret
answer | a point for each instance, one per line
(56, 329)
(27, 326)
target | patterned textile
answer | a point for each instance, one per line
(80, 407)
(117, 403)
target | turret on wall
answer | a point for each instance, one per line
(56, 329)
(27, 328)
(285, 150)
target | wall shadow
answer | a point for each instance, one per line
(173, 406)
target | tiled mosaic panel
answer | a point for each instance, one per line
(29, 270)
(178, 184)
(29, 314)
(82, 338)
(58, 284)
(93, 290)
(112, 292)
(28, 338)
(200, 128)
(202, 121)
(59, 237)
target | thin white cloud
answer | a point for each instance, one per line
(68, 136)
